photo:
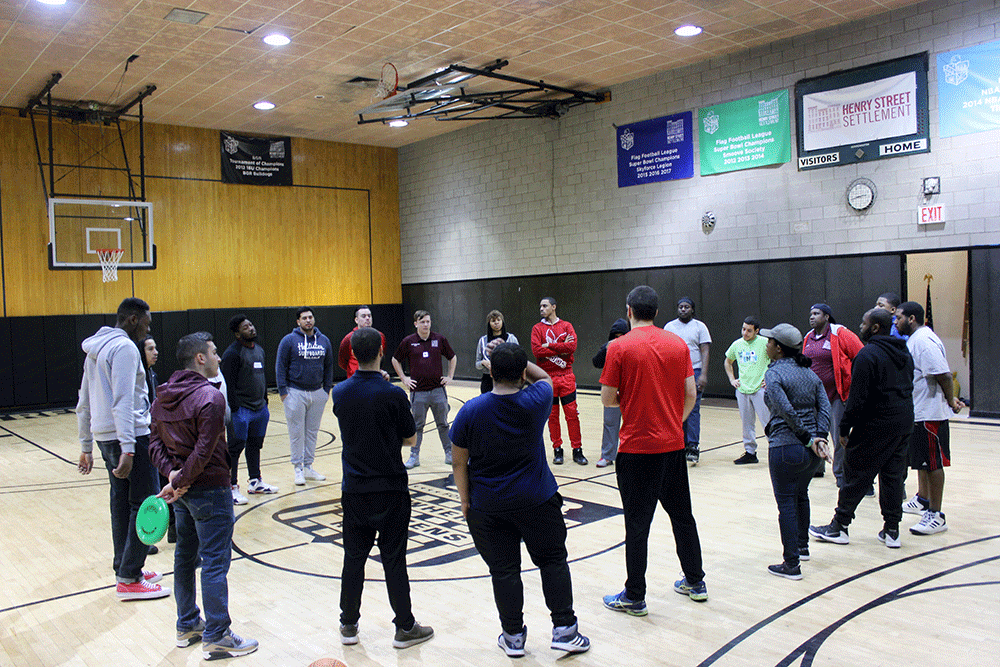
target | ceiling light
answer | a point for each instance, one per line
(398, 123)
(52, 2)
(276, 39)
(687, 31)
(264, 106)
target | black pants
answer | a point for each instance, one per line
(485, 387)
(385, 518)
(879, 450)
(498, 539)
(644, 480)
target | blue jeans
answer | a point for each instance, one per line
(792, 468)
(126, 497)
(204, 528)
(692, 425)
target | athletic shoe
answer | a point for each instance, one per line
(889, 538)
(313, 475)
(412, 462)
(820, 473)
(349, 634)
(747, 458)
(260, 486)
(415, 635)
(832, 533)
(151, 577)
(141, 590)
(238, 498)
(620, 602)
(557, 456)
(932, 522)
(153, 550)
(513, 645)
(692, 456)
(697, 592)
(186, 638)
(230, 645)
(916, 505)
(603, 462)
(803, 553)
(578, 456)
(447, 458)
(870, 493)
(568, 638)
(300, 476)
(783, 570)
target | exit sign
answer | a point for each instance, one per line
(927, 215)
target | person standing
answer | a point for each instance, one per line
(749, 351)
(796, 433)
(304, 370)
(375, 422)
(113, 410)
(246, 393)
(832, 347)
(423, 352)
(149, 356)
(695, 334)
(188, 447)
(875, 431)
(933, 403)
(509, 496)
(345, 356)
(890, 302)
(495, 330)
(553, 342)
(648, 373)
(612, 415)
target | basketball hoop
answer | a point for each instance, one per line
(109, 258)
(387, 84)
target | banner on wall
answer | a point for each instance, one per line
(744, 134)
(659, 149)
(969, 90)
(256, 160)
(861, 114)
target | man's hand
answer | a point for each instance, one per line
(487, 366)
(702, 381)
(86, 463)
(445, 380)
(957, 405)
(492, 345)
(409, 383)
(283, 397)
(735, 383)
(124, 466)
(843, 441)
(385, 376)
(465, 509)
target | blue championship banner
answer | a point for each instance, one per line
(660, 149)
(969, 90)
(256, 160)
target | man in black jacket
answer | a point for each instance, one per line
(875, 430)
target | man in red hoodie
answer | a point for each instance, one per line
(187, 445)
(553, 342)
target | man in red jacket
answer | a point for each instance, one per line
(832, 348)
(187, 444)
(553, 342)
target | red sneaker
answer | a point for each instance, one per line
(141, 590)
(151, 577)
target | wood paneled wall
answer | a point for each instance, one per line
(332, 238)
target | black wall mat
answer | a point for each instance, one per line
(984, 282)
(62, 372)
(6, 379)
(27, 346)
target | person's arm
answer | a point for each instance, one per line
(281, 361)
(609, 396)
(861, 377)
(452, 365)
(778, 401)
(690, 396)
(86, 461)
(211, 427)
(538, 345)
(732, 376)
(947, 385)
(852, 344)
(328, 365)
(460, 469)
(534, 373)
(703, 378)
(481, 355)
(408, 382)
(230, 369)
(126, 364)
(568, 345)
(344, 354)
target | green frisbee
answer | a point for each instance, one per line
(152, 520)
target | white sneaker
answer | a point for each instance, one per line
(914, 506)
(931, 522)
(260, 486)
(300, 476)
(238, 498)
(312, 474)
(412, 462)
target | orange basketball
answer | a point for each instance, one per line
(327, 662)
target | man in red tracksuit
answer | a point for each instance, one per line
(553, 342)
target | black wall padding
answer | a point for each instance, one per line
(984, 280)
(61, 360)
(27, 346)
(6, 359)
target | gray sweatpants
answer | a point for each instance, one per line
(609, 439)
(751, 408)
(437, 400)
(303, 413)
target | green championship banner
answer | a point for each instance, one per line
(745, 134)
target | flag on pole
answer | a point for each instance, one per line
(928, 316)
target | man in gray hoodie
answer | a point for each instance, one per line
(113, 409)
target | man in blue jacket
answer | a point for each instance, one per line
(304, 370)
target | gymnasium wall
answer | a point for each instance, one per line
(332, 238)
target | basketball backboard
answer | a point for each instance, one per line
(78, 228)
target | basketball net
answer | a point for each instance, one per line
(387, 84)
(109, 262)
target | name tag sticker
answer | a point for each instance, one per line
(826, 345)
(258, 365)
(426, 354)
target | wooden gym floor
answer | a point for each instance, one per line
(934, 601)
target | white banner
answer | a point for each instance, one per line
(859, 114)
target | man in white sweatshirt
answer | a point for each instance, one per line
(114, 410)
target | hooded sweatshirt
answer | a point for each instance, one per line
(304, 362)
(188, 432)
(881, 386)
(619, 328)
(114, 398)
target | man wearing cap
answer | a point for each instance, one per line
(832, 347)
(695, 334)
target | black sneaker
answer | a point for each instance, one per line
(557, 456)
(349, 634)
(415, 635)
(578, 456)
(692, 456)
(783, 570)
(820, 472)
(746, 459)
(803, 553)
(832, 533)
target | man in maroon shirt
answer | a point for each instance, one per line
(423, 352)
